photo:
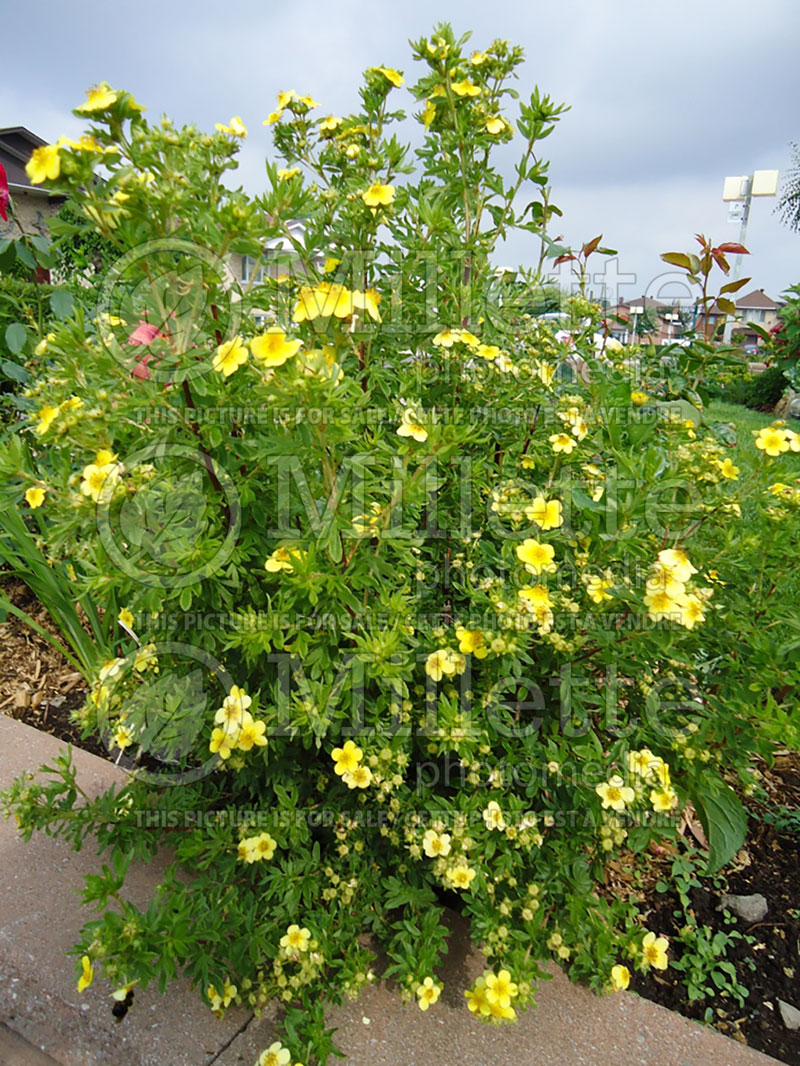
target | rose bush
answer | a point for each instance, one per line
(414, 613)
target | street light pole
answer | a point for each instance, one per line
(740, 191)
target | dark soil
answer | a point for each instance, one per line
(767, 960)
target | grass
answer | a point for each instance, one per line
(745, 422)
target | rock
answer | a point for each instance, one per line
(783, 404)
(789, 1014)
(749, 908)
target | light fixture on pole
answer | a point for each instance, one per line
(738, 192)
(635, 310)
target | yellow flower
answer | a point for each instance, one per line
(296, 939)
(99, 480)
(251, 734)
(639, 398)
(272, 117)
(126, 617)
(793, 439)
(620, 978)
(44, 164)
(614, 794)
(477, 58)
(538, 558)
(727, 469)
(410, 426)
(471, 641)
(275, 1055)
(500, 989)
(428, 993)
(661, 605)
(663, 799)
(544, 372)
(346, 759)
(222, 742)
(123, 738)
(447, 338)
(235, 127)
(285, 173)
(654, 951)
(35, 497)
(495, 125)
(361, 777)
(692, 612)
(465, 88)
(285, 98)
(772, 441)
(281, 559)
(309, 101)
(394, 76)
(429, 114)
(488, 351)
(643, 762)
(325, 300)
(329, 124)
(378, 195)
(254, 849)
(545, 513)
(476, 998)
(596, 588)
(444, 662)
(99, 98)
(461, 876)
(493, 816)
(272, 348)
(104, 457)
(367, 301)
(230, 356)
(87, 974)
(536, 596)
(562, 443)
(676, 563)
(436, 845)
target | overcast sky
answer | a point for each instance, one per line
(667, 97)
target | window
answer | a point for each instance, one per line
(248, 266)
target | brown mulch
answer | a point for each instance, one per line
(38, 685)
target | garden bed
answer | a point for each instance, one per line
(39, 687)
(766, 957)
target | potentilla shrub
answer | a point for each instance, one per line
(416, 614)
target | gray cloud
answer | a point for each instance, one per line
(667, 98)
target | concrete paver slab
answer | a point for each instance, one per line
(40, 916)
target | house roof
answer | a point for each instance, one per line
(16, 147)
(758, 299)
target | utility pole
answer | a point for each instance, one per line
(739, 192)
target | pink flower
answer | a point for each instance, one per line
(145, 333)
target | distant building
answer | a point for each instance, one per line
(756, 308)
(657, 323)
(33, 205)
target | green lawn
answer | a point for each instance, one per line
(745, 421)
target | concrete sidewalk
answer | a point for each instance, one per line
(40, 918)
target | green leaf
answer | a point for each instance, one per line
(678, 259)
(14, 371)
(24, 255)
(16, 335)
(724, 821)
(62, 303)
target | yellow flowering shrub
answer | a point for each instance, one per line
(410, 614)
